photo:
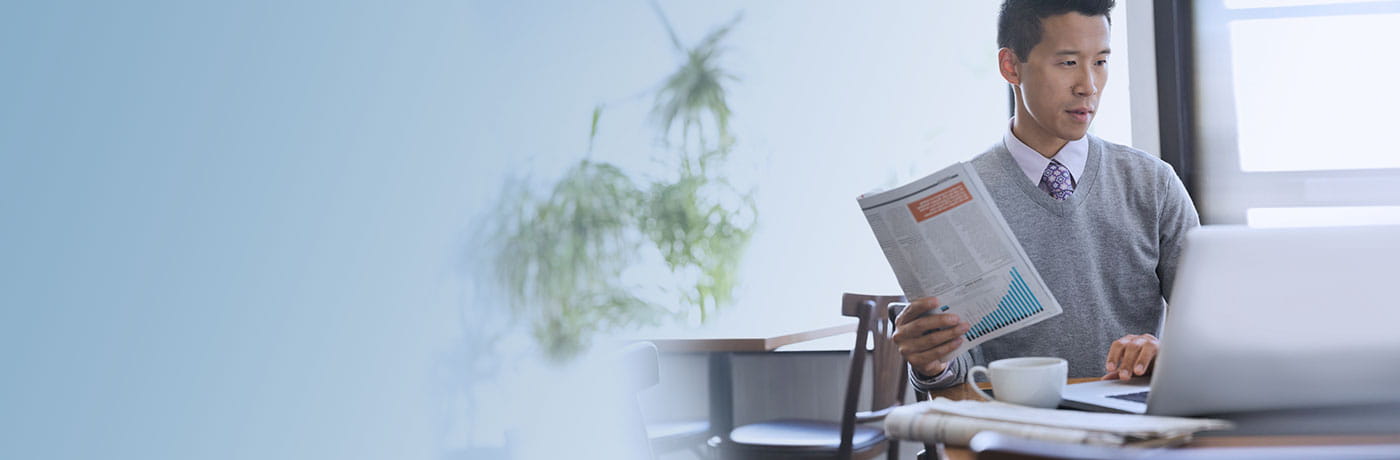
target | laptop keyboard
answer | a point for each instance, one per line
(1134, 397)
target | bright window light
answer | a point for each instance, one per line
(1306, 96)
(1245, 4)
(1332, 216)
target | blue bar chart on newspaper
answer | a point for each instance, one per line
(1018, 303)
(944, 237)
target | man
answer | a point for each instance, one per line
(1102, 222)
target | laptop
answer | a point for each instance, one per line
(1272, 320)
(1123, 396)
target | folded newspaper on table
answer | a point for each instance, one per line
(956, 422)
(944, 237)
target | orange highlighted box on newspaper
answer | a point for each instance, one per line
(940, 202)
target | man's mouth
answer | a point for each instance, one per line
(1080, 114)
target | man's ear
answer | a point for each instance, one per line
(1006, 63)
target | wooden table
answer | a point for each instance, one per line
(752, 342)
(963, 392)
(720, 349)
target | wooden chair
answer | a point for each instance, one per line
(815, 439)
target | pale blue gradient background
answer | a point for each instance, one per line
(230, 229)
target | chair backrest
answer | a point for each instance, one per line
(889, 377)
(641, 370)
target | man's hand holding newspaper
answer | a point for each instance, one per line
(927, 339)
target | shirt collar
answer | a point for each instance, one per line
(1074, 155)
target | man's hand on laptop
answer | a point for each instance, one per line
(1130, 356)
(928, 339)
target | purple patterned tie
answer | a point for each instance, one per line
(1056, 181)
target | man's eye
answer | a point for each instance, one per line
(1067, 63)
(1101, 62)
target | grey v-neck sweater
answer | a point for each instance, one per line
(1108, 253)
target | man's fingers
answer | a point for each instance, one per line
(920, 344)
(939, 353)
(922, 326)
(926, 363)
(935, 338)
(1130, 356)
(1115, 353)
(916, 308)
(1144, 359)
(926, 339)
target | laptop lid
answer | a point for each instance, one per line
(1264, 319)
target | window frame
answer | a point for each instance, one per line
(1224, 195)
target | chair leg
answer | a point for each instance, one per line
(892, 453)
(931, 452)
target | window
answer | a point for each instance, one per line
(1293, 116)
(1323, 216)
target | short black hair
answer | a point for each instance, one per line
(1019, 25)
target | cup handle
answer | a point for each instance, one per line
(972, 382)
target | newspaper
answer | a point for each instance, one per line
(944, 237)
(956, 422)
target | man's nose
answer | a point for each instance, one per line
(1087, 84)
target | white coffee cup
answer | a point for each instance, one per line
(1035, 382)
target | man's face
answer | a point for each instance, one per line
(1061, 80)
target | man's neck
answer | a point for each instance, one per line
(1044, 143)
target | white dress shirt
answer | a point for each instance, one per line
(1073, 155)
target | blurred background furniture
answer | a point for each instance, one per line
(642, 367)
(847, 439)
(670, 436)
(674, 435)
